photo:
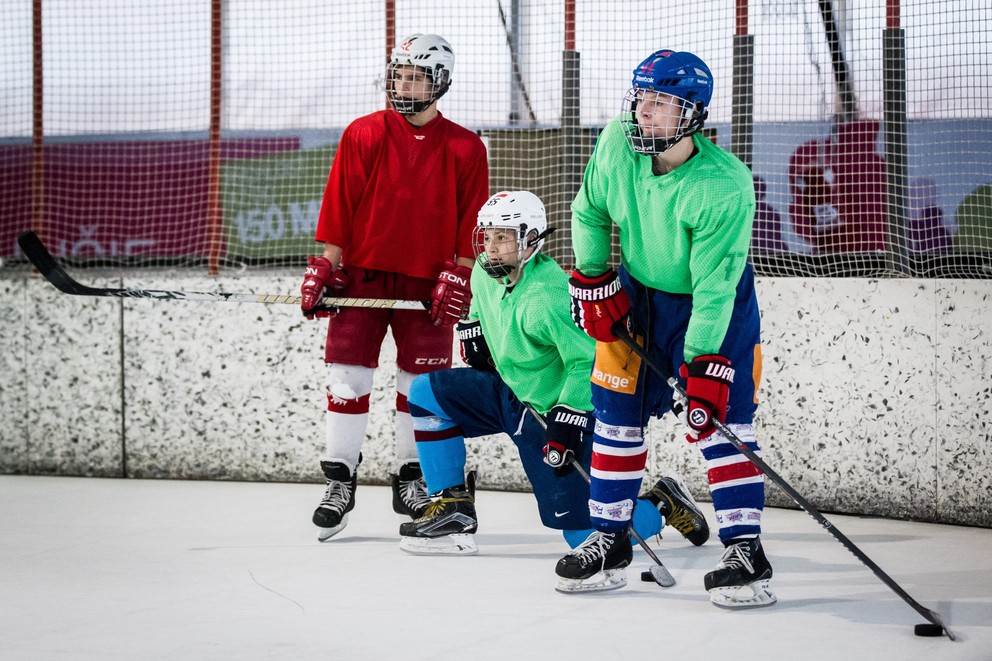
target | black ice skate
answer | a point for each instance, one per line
(331, 516)
(596, 564)
(741, 578)
(673, 500)
(446, 528)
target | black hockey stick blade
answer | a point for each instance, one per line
(35, 251)
(620, 330)
(660, 574)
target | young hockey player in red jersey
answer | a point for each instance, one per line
(396, 223)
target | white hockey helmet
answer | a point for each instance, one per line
(429, 52)
(521, 215)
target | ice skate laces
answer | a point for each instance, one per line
(594, 549)
(337, 496)
(437, 505)
(414, 494)
(736, 556)
(434, 508)
(680, 518)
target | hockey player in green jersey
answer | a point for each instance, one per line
(684, 209)
(526, 352)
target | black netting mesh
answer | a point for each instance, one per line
(867, 125)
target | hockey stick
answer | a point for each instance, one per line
(934, 618)
(36, 252)
(659, 572)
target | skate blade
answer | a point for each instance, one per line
(610, 579)
(460, 544)
(753, 595)
(325, 534)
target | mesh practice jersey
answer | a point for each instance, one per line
(402, 198)
(685, 232)
(539, 352)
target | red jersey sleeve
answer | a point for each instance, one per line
(473, 187)
(351, 169)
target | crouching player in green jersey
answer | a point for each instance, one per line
(684, 209)
(524, 351)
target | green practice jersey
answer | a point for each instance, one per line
(685, 232)
(539, 352)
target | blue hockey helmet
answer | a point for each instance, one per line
(679, 74)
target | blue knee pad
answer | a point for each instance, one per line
(421, 397)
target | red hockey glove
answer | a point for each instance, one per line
(564, 437)
(452, 295)
(317, 279)
(707, 385)
(597, 303)
(475, 351)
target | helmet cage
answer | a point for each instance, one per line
(520, 219)
(691, 120)
(439, 82)
(430, 54)
(525, 238)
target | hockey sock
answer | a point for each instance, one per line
(348, 388)
(616, 470)
(440, 443)
(647, 521)
(737, 485)
(406, 446)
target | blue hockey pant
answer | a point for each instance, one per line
(449, 405)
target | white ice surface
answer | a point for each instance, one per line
(142, 569)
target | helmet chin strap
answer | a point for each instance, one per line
(497, 271)
(507, 275)
(655, 146)
(540, 237)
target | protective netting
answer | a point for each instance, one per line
(198, 135)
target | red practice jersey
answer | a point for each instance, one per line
(404, 199)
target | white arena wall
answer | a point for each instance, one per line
(876, 396)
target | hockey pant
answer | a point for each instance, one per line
(449, 405)
(354, 341)
(626, 394)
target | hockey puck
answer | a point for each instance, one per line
(929, 630)
(648, 578)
